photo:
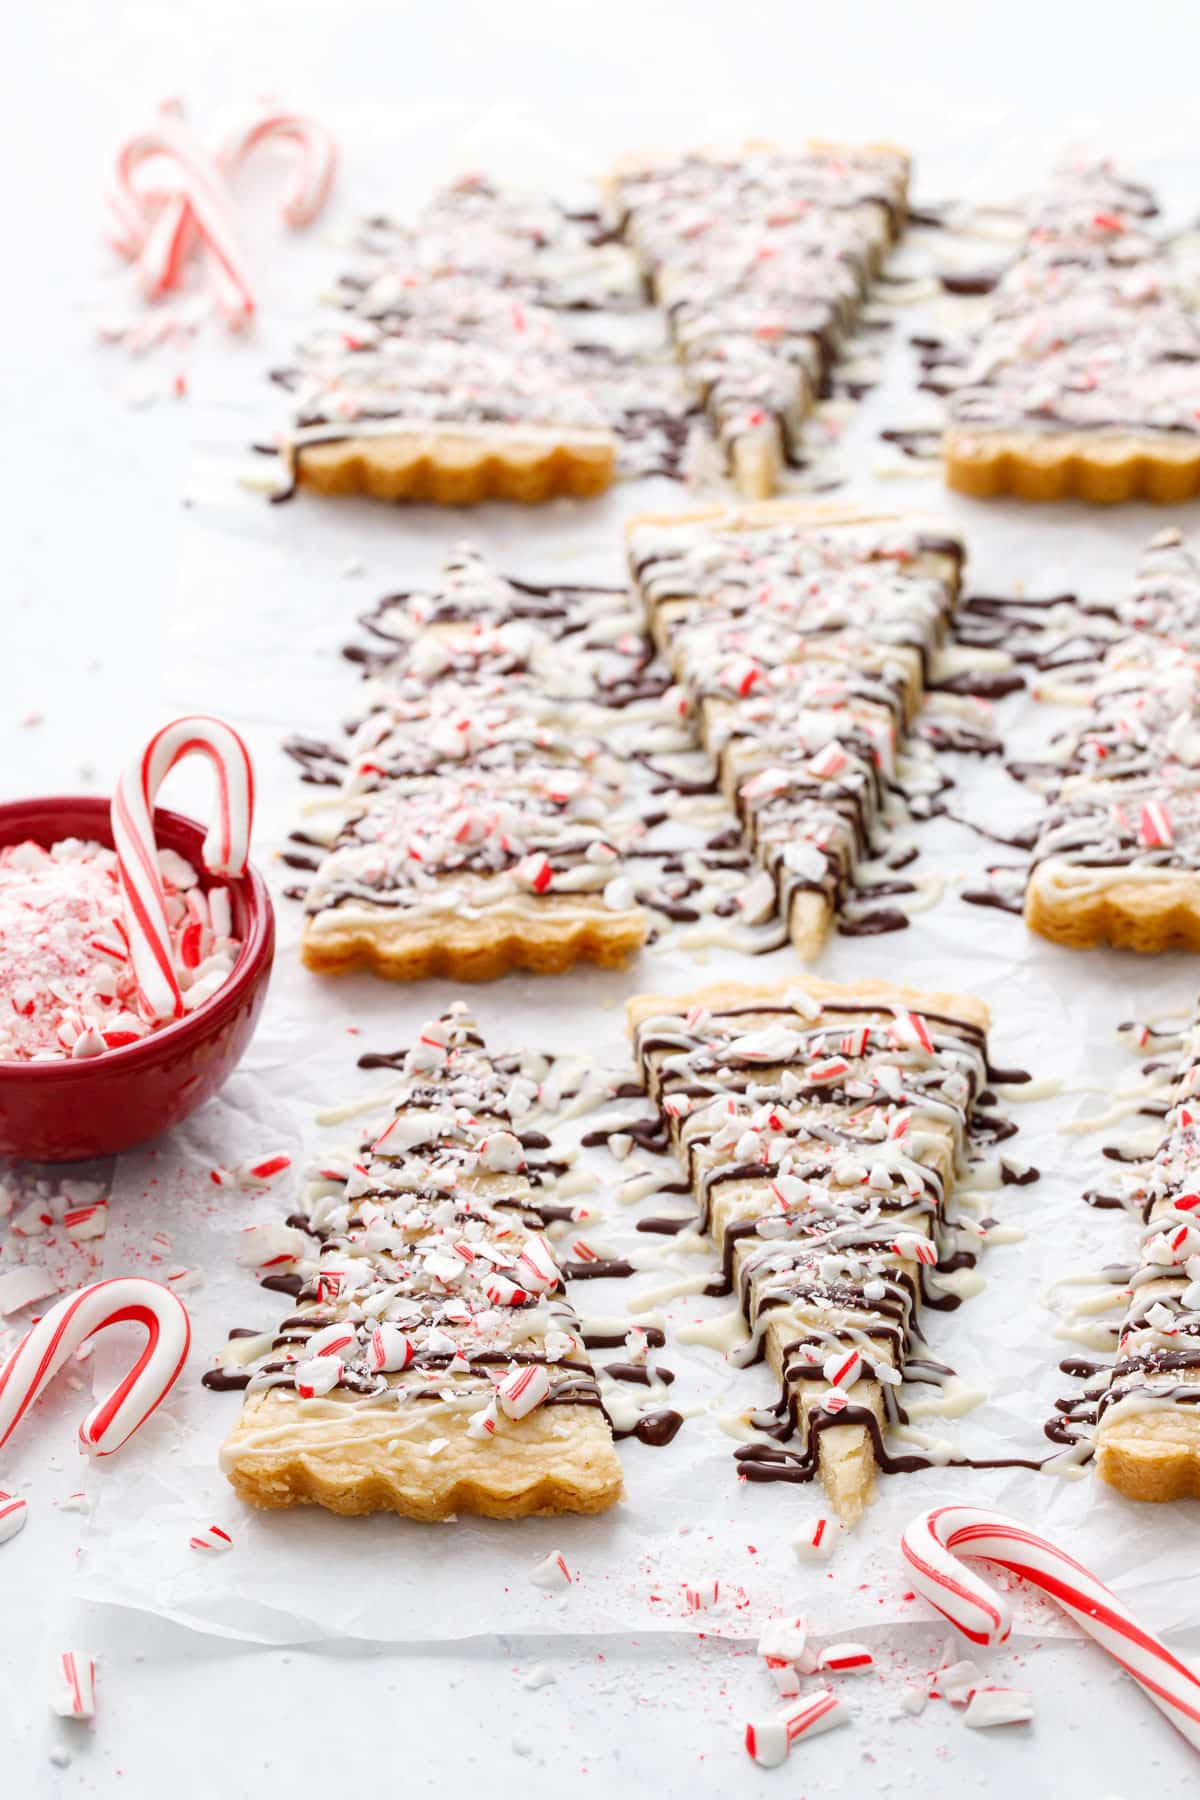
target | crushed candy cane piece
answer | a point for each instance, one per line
(24, 1285)
(816, 1543)
(73, 1688)
(83, 1222)
(956, 1682)
(213, 1538)
(271, 1245)
(552, 1572)
(845, 1659)
(998, 1706)
(14, 1513)
(769, 1741)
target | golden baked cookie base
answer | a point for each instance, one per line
(1147, 916)
(1104, 468)
(544, 939)
(560, 1459)
(1154, 1455)
(846, 1456)
(449, 469)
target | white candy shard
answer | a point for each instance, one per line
(998, 1706)
(23, 1286)
(271, 1245)
(552, 1572)
(957, 1681)
(784, 1640)
(815, 1543)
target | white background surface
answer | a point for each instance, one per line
(140, 581)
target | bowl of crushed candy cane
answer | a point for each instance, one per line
(86, 1067)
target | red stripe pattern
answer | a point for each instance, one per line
(931, 1547)
(42, 1352)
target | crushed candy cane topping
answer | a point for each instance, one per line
(420, 1271)
(67, 985)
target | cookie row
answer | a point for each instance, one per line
(502, 345)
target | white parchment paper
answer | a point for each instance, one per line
(262, 602)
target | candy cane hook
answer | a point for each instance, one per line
(68, 1324)
(930, 1545)
(225, 847)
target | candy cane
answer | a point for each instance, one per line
(61, 1331)
(159, 230)
(985, 1617)
(314, 175)
(198, 183)
(225, 847)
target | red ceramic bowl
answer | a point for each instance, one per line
(66, 1111)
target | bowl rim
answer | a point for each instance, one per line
(257, 950)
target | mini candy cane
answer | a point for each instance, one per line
(314, 175)
(61, 1332)
(162, 246)
(984, 1616)
(225, 847)
(196, 182)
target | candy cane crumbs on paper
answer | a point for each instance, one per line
(61, 1332)
(769, 1741)
(932, 1545)
(226, 845)
(14, 1513)
(73, 1688)
(213, 1539)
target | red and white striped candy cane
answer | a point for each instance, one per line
(315, 170)
(195, 201)
(68, 1324)
(981, 1614)
(225, 847)
(159, 230)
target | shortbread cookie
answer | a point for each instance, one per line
(763, 259)
(1147, 1434)
(432, 1364)
(460, 371)
(1117, 859)
(802, 636)
(1084, 383)
(479, 825)
(821, 1131)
